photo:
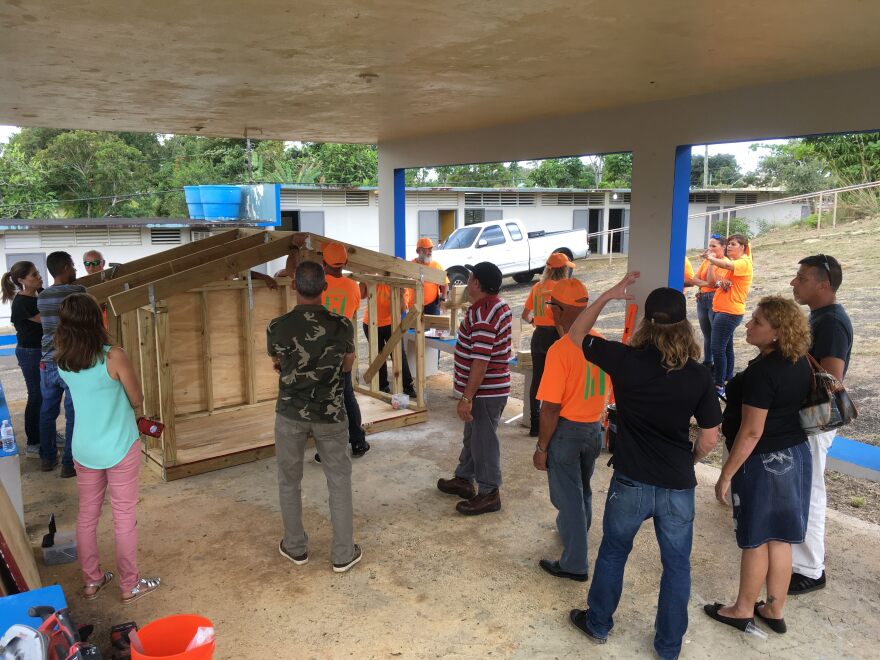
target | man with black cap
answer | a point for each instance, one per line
(482, 379)
(659, 384)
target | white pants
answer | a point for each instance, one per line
(808, 558)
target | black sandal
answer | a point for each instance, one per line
(776, 625)
(739, 624)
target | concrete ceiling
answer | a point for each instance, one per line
(371, 70)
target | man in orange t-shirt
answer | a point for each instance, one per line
(434, 293)
(383, 323)
(573, 394)
(343, 296)
(539, 313)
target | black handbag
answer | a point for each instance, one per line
(828, 405)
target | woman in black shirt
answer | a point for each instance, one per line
(768, 471)
(21, 285)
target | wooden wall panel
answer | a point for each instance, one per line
(227, 346)
(267, 306)
(187, 353)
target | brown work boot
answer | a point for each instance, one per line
(482, 503)
(457, 486)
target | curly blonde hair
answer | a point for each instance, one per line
(560, 273)
(791, 325)
(675, 341)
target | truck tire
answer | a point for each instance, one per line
(566, 252)
(524, 278)
(457, 276)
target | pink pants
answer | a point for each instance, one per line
(123, 480)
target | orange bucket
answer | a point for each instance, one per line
(168, 638)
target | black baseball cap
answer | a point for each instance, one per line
(666, 306)
(488, 275)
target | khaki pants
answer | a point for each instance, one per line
(332, 443)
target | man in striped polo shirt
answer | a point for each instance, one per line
(482, 378)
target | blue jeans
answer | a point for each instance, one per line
(29, 361)
(723, 327)
(53, 388)
(433, 308)
(356, 433)
(629, 503)
(705, 316)
(571, 457)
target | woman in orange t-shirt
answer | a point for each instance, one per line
(539, 313)
(705, 279)
(733, 277)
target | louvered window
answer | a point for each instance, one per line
(199, 234)
(29, 238)
(125, 236)
(745, 198)
(57, 238)
(165, 236)
(704, 198)
(357, 198)
(92, 236)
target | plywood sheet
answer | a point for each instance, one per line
(227, 346)
(267, 306)
(187, 353)
(15, 547)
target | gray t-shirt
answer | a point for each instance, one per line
(49, 302)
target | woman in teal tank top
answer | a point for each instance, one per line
(106, 447)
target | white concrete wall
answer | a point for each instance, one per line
(651, 132)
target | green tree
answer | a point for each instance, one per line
(723, 170)
(82, 166)
(24, 192)
(617, 171)
(561, 173)
(794, 166)
(851, 158)
(348, 164)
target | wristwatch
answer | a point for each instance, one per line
(539, 448)
(467, 400)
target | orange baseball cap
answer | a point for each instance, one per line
(425, 242)
(571, 292)
(335, 254)
(558, 260)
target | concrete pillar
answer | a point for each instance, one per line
(657, 235)
(386, 202)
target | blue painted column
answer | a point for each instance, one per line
(400, 213)
(678, 230)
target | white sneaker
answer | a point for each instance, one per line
(358, 555)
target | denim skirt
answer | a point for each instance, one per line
(771, 497)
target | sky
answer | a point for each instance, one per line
(747, 159)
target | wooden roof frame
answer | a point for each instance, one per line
(156, 277)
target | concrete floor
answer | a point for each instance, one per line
(432, 583)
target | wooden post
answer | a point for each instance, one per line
(166, 393)
(129, 340)
(819, 211)
(208, 360)
(149, 362)
(248, 334)
(396, 380)
(420, 347)
(834, 212)
(373, 333)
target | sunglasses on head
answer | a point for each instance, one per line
(89, 264)
(825, 262)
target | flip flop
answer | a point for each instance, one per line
(107, 579)
(776, 625)
(739, 624)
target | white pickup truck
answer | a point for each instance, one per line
(508, 245)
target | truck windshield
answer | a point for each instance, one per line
(461, 238)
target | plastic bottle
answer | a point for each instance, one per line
(8, 436)
(752, 629)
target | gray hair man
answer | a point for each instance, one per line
(93, 262)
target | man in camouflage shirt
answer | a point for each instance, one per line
(311, 349)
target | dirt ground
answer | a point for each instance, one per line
(433, 584)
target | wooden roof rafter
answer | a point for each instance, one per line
(143, 263)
